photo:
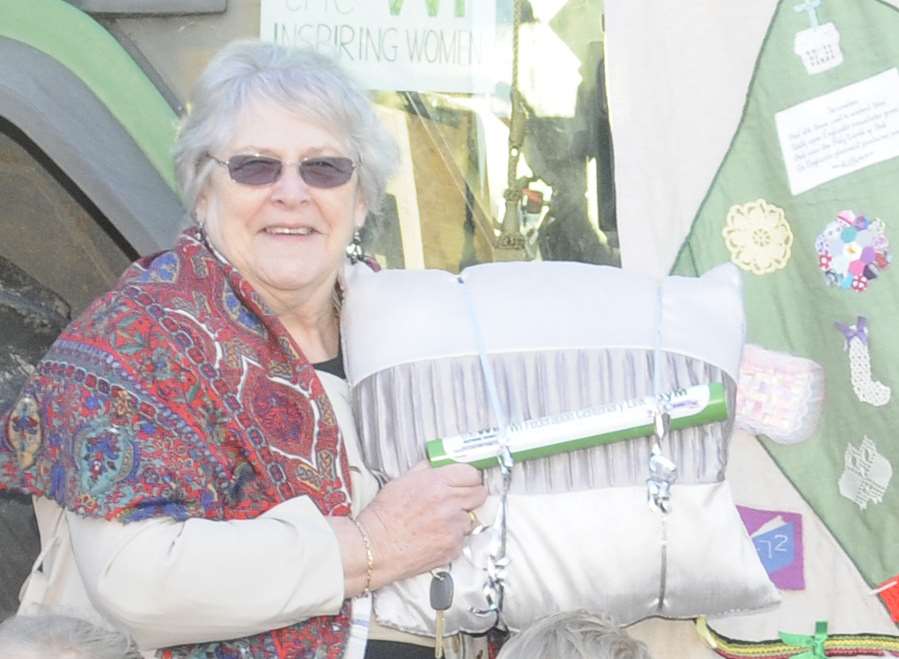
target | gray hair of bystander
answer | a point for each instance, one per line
(574, 635)
(61, 637)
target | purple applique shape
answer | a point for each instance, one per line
(777, 536)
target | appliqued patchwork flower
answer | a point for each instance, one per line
(758, 237)
(852, 251)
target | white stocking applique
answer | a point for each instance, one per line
(866, 475)
(856, 344)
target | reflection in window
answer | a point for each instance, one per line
(447, 206)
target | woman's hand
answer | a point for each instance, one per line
(419, 521)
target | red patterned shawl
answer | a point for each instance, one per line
(164, 399)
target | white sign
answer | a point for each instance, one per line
(819, 48)
(413, 45)
(840, 132)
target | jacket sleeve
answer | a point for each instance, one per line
(171, 583)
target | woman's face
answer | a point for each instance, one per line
(287, 238)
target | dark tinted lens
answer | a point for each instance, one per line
(254, 170)
(326, 172)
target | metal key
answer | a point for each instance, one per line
(441, 601)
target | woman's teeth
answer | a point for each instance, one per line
(286, 231)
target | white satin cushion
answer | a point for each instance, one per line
(554, 331)
(600, 550)
(396, 317)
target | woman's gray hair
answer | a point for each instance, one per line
(61, 637)
(574, 635)
(300, 81)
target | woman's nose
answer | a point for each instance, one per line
(290, 188)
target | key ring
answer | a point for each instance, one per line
(438, 573)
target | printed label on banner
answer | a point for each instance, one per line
(819, 48)
(777, 537)
(410, 45)
(841, 132)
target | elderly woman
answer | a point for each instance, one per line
(188, 440)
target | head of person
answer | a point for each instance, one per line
(574, 635)
(279, 159)
(61, 637)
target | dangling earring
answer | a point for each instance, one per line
(199, 226)
(354, 250)
(198, 219)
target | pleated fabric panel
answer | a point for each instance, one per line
(401, 408)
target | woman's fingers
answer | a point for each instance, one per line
(467, 488)
(475, 497)
(424, 517)
(460, 475)
(463, 483)
(452, 474)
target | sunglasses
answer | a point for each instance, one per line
(317, 171)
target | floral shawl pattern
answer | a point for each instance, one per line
(166, 398)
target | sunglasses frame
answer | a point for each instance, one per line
(284, 165)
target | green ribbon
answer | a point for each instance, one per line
(814, 643)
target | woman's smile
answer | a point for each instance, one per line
(289, 231)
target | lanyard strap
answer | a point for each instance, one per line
(360, 615)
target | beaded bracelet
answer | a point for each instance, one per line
(369, 557)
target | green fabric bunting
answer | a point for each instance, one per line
(819, 305)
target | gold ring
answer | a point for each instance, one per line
(475, 522)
